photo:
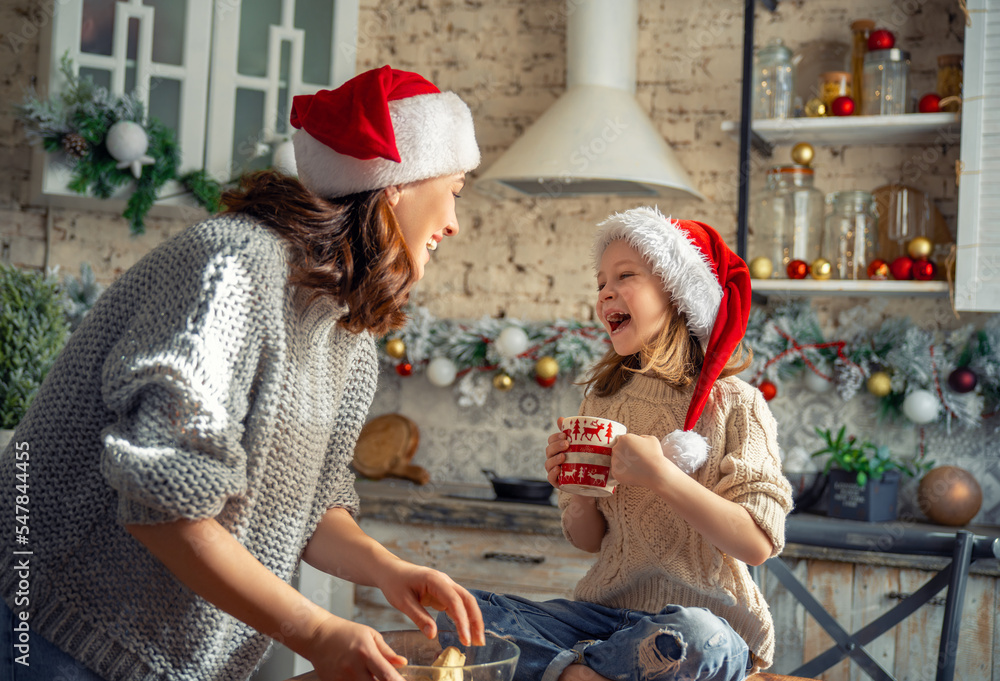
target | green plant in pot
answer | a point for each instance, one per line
(863, 477)
(33, 329)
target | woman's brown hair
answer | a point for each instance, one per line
(675, 355)
(350, 248)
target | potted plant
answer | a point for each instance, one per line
(863, 477)
(33, 329)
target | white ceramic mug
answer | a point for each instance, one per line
(587, 469)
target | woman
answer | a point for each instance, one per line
(191, 444)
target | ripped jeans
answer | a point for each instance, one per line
(623, 645)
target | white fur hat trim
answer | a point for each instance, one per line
(686, 448)
(686, 272)
(434, 136)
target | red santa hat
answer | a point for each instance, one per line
(383, 127)
(708, 283)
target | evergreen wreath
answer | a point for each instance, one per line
(76, 122)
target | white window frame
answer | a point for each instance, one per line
(208, 79)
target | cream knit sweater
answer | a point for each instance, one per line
(650, 557)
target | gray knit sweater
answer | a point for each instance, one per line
(201, 385)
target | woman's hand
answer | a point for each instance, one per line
(411, 589)
(341, 650)
(639, 460)
(555, 454)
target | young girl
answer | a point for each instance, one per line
(191, 444)
(700, 491)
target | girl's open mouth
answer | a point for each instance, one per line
(616, 320)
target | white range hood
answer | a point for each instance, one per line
(596, 139)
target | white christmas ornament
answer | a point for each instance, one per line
(512, 341)
(441, 372)
(921, 406)
(283, 159)
(816, 383)
(127, 143)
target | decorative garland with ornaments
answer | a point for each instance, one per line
(912, 372)
(105, 141)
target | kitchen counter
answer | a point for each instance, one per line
(473, 506)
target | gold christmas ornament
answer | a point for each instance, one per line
(821, 269)
(761, 267)
(949, 495)
(395, 348)
(879, 384)
(503, 382)
(815, 108)
(803, 153)
(546, 367)
(919, 247)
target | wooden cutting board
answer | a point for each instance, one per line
(385, 447)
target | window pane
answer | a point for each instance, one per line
(165, 102)
(315, 17)
(97, 27)
(169, 19)
(133, 40)
(248, 128)
(256, 16)
(101, 77)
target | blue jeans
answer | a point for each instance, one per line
(45, 661)
(623, 645)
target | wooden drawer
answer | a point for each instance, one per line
(539, 566)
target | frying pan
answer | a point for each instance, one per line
(519, 488)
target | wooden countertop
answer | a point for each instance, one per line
(473, 506)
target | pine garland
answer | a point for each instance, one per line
(78, 119)
(786, 342)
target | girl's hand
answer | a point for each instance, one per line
(411, 588)
(639, 460)
(345, 651)
(555, 454)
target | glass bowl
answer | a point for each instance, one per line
(494, 661)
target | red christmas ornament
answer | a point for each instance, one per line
(769, 390)
(404, 368)
(881, 39)
(842, 106)
(546, 382)
(929, 103)
(902, 268)
(797, 269)
(878, 270)
(962, 380)
(923, 269)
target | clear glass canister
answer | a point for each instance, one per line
(887, 76)
(949, 80)
(851, 234)
(786, 221)
(775, 81)
(860, 30)
(833, 84)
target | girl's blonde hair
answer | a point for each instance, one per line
(674, 355)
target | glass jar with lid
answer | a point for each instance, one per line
(851, 234)
(786, 221)
(887, 76)
(949, 80)
(775, 81)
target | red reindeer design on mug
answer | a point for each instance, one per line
(587, 469)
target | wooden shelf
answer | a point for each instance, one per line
(848, 287)
(942, 128)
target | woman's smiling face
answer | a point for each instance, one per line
(425, 211)
(631, 302)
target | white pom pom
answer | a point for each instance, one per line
(686, 448)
